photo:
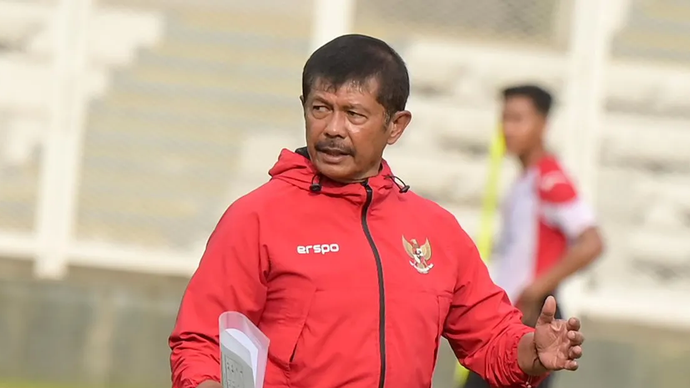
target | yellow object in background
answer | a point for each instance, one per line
(489, 206)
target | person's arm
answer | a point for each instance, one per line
(564, 209)
(583, 251)
(484, 330)
(230, 277)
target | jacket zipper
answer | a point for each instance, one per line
(382, 295)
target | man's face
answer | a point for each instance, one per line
(523, 125)
(347, 130)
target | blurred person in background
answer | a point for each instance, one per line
(332, 258)
(549, 232)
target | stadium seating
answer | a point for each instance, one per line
(642, 196)
(193, 101)
(656, 30)
(642, 175)
(172, 95)
(164, 143)
(27, 77)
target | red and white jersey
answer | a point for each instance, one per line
(541, 215)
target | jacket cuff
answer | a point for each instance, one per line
(519, 378)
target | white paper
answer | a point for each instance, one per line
(246, 343)
(244, 350)
(237, 369)
(236, 374)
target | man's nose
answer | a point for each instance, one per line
(336, 126)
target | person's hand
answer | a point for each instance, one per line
(210, 384)
(558, 342)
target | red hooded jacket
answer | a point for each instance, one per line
(353, 284)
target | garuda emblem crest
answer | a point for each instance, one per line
(420, 255)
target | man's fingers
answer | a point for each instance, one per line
(575, 352)
(571, 365)
(548, 312)
(576, 338)
(574, 324)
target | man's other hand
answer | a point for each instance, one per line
(558, 342)
(210, 384)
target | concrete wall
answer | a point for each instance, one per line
(94, 329)
(107, 329)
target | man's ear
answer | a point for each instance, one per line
(304, 110)
(397, 125)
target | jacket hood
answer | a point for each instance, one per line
(297, 169)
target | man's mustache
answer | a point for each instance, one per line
(333, 146)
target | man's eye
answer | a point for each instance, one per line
(354, 114)
(320, 108)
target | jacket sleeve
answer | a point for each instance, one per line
(482, 327)
(230, 277)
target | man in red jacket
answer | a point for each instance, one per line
(352, 276)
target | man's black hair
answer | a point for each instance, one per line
(541, 99)
(359, 58)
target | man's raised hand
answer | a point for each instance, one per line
(558, 342)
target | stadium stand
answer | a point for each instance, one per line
(27, 79)
(192, 103)
(642, 179)
(645, 147)
(657, 30)
(163, 143)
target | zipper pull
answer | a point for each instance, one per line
(367, 188)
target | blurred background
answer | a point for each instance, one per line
(128, 126)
